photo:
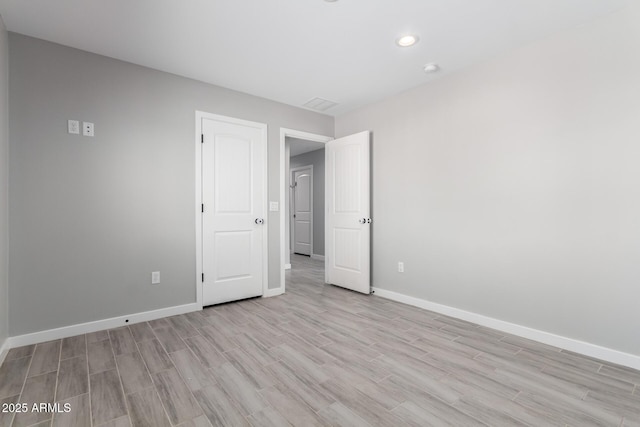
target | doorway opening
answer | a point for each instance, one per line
(347, 234)
(304, 205)
(299, 139)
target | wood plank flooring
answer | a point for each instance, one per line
(316, 356)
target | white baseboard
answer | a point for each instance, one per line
(318, 257)
(588, 349)
(287, 266)
(273, 292)
(98, 325)
(4, 349)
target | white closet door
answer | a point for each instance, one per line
(234, 207)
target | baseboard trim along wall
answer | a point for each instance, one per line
(318, 257)
(98, 325)
(4, 349)
(576, 346)
(273, 292)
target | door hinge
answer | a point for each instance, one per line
(203, 208)
(203, 277)
(202, 138)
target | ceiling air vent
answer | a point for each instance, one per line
(319, 104)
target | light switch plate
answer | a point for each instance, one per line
(273, 206)
(87, 128)
(73, 126)
(155, 277)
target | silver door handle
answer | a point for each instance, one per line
(259, 221)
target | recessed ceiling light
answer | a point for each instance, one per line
(431, 68)
(408, 40)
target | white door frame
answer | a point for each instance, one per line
(284, 133)
(291, 222)
(200, 115)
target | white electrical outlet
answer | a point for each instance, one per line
(87, 128)
(155, 277)
(401, 267)
(273, 206)
(73, 126)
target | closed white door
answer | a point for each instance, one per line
(347, 221)
(302, 210)
(234, 207)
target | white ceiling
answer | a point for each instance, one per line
(301, 146)
(294, 50)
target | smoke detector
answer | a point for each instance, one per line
(431, 68)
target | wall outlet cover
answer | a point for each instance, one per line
(87, 129)
(155, 277)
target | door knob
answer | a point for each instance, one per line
(362, 220)
(368, 220)
(259, 221)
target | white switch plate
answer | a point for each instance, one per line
(401, 267)
(73, 126)
(155, 277)
(87, 128)
(273, 206)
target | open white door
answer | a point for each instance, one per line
(347, 221)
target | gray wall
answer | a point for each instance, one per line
(92, 217)
(511, 189)
(4, 182)
(315, 158)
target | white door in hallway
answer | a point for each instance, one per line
(234, 206)
(302, 179)
(347, 204)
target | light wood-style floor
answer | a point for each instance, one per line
(318, 355)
